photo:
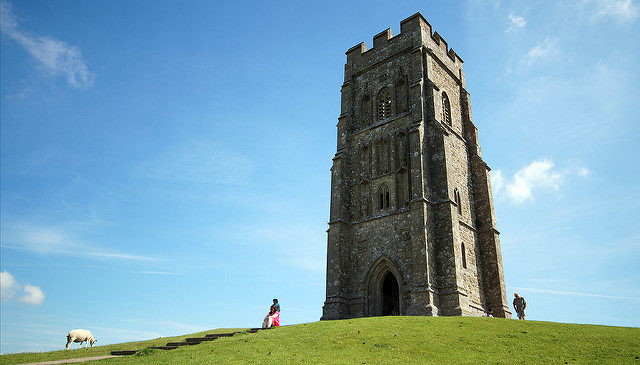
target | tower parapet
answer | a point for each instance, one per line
(415, 31)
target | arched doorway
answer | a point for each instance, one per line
(390, 295)
(384, 289)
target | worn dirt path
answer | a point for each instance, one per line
(67, 361)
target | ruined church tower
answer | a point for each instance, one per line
(412, 227)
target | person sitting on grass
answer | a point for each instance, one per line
(273, 318)
(268, 320)
(276, 309)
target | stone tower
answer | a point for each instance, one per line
(412, 226)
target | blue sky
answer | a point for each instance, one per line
(165, 167)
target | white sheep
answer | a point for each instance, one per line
(80, 336)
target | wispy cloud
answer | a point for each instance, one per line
(57, 240)
(561, 292)
(32, 294)
(541, 50)
(295, 243)
(27, 345)
(119, 256)
(584, 172)
(199, 162)
(538, 175)
(54, 56)
(621, 10)
(96, 301)
(516, 23)
(157, 273)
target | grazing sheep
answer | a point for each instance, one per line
(80, 336)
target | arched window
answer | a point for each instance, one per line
(464, 257)
(385, 107)
(383, 197)
(446, 109)
(456, 199)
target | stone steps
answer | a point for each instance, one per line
(124, 352)
(200, 339)
(189, 341)
(217, 335)
(163, 347)
(182, 343)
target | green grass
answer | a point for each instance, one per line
(403, 340)
(26, 357)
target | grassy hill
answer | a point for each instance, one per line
(390, 340)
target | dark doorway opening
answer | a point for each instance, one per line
(390, 296)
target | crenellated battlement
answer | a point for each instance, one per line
(415, 31)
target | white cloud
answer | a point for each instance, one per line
(538, 175)
(8, 286)
(516, 22)
(497, 180)
(621, 10)
(540, 51)
(33, 295)
(55, 57)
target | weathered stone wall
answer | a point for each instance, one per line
(410, 194)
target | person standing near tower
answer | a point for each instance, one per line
(520, 305)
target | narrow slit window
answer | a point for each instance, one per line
(383, 197)
(456, 199)
(464, 257)
(446, 109)
(384, 104)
